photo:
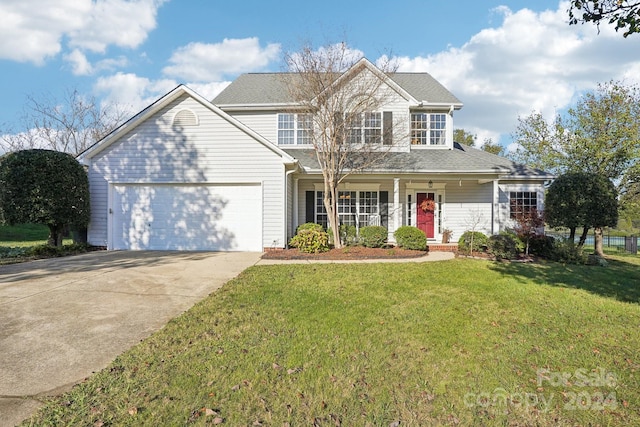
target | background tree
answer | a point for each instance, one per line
(44, 187)
(582, 200)
(470, 139)
(492, 147)
(70, 124)
(625, 14)
(464, 137)
(334, 102)
(599, 136)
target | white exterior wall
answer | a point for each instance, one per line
(464, 200)
(263, 122)
(214, 151)
(503, 202)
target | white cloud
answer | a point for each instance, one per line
(80, 66)
(204, 62)
(208, 90)
(34, 30)
(131, 91)
(123, 23)
(531, 61)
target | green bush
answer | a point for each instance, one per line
(480, 241)
(56, 251)
(503, 246)
(309, 226)
(373, 236)
(409, 237)
(520, 245)
(542, 246)
(19, 252)
(567, 252)
(348, 235)
(310, 241)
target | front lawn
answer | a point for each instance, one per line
(463, 342)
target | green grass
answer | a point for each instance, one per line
(23, 235)
(25, 242)
(462, 342)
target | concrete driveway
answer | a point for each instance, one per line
(62, 319)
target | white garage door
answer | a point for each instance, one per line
(187, 217)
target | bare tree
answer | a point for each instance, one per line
(340, 95)
(475, 221)
(70, 124)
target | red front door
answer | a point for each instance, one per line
(425, 213)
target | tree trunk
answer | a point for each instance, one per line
(331, 206)
(56, 233)
(583, 237)
(598, 242)
(572, 234)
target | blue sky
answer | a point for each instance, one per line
(501, 58)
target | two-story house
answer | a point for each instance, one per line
(240, 172)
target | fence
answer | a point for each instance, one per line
(625, 243)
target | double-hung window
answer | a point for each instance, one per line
(295, 129)
(363, 128)
(522, 203)
(357, 208)
(428, 128)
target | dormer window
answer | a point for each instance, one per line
(295, 129)
(428, 129)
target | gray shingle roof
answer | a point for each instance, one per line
(462, 159)
(271, 88)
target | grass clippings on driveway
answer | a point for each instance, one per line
(463, 342)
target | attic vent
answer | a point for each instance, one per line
(185, 118)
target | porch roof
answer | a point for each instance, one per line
(462, 159)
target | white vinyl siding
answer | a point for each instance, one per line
(465, 199)
(264, 123)
(215, 152)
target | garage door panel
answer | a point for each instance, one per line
(184, 217)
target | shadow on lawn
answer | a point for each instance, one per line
(620, 280)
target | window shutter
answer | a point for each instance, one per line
(310, 206)
(384, 209)
(387, 128)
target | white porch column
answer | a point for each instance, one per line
(495, 223)
(397, 210)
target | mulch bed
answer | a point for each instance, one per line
(347, 253)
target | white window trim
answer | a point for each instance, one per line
(295, 131)
(448, 131)
(351, 188)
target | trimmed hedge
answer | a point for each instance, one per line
(409, 237)
(373, 236)
(480, 241)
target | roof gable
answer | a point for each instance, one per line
(262, 89)
(158, 105)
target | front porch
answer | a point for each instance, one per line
(434, 204)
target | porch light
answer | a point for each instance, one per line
(430, 184)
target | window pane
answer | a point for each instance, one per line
(522, 203)
(419, 129)
(305, 126)
(285, 129)
(438, 124)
